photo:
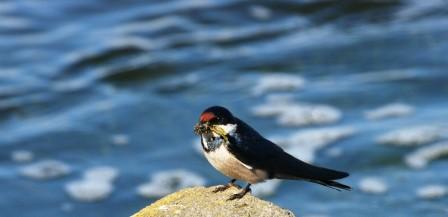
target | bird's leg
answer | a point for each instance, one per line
(225, 187)
(241, 193)
(232, 183)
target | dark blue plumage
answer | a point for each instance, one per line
(240, 152)
(253, 149)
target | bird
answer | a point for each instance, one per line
(239, 152)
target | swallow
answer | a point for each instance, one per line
(239, 152)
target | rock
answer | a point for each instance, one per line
(200, 201)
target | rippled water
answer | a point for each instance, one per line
(77, 75)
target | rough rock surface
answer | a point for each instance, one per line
(202, 202)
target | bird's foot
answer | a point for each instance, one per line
(240, 194)
(232, 184)
(221, 188)
(225, 187)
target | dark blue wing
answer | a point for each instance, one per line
(256, 151)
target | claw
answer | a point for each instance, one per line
(225, 187)
(234, 185)
(221, 188)
(237, 195)
(240, 194)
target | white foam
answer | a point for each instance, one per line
(432, 192)
(303, 153)
(383, 76)
(301, 115)
(96, 184)
(294, 114)
(266, 189)
(45, 169)
(334, 152)
(282, 141)
(373, 185)
(260, 12)
(22, 156)
(152, 190)
(411, 136)
(278, 82)
(89, 190)
(280, 97)
(120, 139)
(421, 157)
(179, 83)
(389, 110)
(320, 137)
(165, 182)
(415, 9)
(305, 143)
(270, 109)
(101, 173)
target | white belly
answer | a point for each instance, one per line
(228, 165)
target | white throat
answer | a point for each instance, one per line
(228, 128)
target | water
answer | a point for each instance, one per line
(75, 74)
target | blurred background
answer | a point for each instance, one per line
(98, 100)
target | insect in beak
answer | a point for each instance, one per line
(201, 128)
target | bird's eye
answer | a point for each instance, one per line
(214, 120)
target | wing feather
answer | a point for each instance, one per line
(254, 150)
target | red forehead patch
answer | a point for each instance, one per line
(207, 116)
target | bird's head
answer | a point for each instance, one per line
(216, 119)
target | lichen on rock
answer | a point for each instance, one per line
(201, 202)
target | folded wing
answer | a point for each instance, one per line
(261, 153)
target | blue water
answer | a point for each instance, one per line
(74, 73)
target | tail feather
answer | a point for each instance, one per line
(332, 184)
(297, 169)
(321, 173)
(302, 170)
